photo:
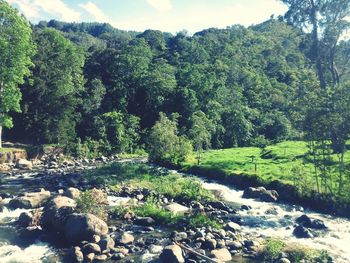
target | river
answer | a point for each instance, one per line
(259, 221)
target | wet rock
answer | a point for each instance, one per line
(232, 226)
(221, 255)
(126, 239)
(72, 192)
(302, 232)
(91, 248)
(246, 207)
(25, 219)
(144, 221)
(209, 244)
(100, 257)
(24, 164)
(261, 193)
(155, 249)
(118, 256)
(77, 255)
(172, 254)
(106, 243)
(219, 205)
(83, 226)
(90, 257)
(234, 245)
(178, 236)
(272, 211)
(176, 208)
(308, 222)
(30, 200)
(56, 212)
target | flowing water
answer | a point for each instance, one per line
(259, 221)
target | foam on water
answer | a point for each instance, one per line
(259, 222)
(35, 253)
(8, 216)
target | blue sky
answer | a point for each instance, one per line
(166, 15)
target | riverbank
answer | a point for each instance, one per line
(283, 167)
(209, 227)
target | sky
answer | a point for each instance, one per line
(166, 15)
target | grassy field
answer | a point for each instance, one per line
(283, 161)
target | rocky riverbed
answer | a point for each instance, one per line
(39, 223)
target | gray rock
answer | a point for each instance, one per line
(232, 226)
(144, 221)
(25, 219)
(222, 254)
(302, 232)
(126, 239)
(176, 208)
(261, 193)
(80, 227)
(106, 243)
(91, 248)
(72, 192)
(100, 257)
(283, 260)
(234, 245)
(77, 254)
(172, 254)
(24, 164)
(56, 212)
(209, 244)
(30, 200)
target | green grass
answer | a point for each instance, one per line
(6, 150)
(171, 185)
(202, 220)
(283, 162)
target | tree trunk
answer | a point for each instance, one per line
(315, 56)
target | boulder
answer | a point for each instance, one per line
(309, 222)
(30, 200)
(221, 255)
(72, 192)
(25, 219)
(232, 226)
(56, 212)
(302, 232)
(283, 260)
(77, 254)
(91, 248)
(126, 239)
(24, 164)
(234, 245)
(261, 193)
(176, 208)
(172, 254)
(144, 221)
(106, 243)
(81, 227)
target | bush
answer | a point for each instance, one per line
(93, 202)
(272, 249)
(202, 220)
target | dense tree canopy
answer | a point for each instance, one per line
(16, 49)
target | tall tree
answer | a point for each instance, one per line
(16, 49)
(50, 106)
(327, 21)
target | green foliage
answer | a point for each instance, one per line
(164, 144)
(272, 249)
(202, 220)
(91, 202)
(16, 50)
(159, 214)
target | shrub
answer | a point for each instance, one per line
(202, 220)
(93, 202)
(272, 249)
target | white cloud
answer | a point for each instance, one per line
(161, 5)
(34, 9)
(96, 12)
(200, 17)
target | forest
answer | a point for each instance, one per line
(94, 89)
